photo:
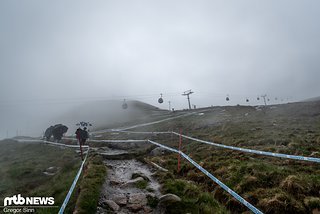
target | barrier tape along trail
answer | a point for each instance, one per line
(217, 181)
(133, 132)
(225, 187)
(279, 155)
(160, 121)
(110, 141)
(118, 141)
(147, 124)
(67, 198)
(258, 152)
(155, 122)
(51, 143)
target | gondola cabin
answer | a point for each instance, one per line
(160, 100)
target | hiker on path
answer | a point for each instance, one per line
(84, 135)
(78, 135)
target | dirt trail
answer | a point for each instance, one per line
(129, 187)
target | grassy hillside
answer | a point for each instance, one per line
(273, 185)
(22, 167)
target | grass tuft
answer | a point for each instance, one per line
(90, 186)
(193, 198)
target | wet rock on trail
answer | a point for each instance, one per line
(169, 198)
(121, 191)
(120, 199)
(112, 205)
(133, 182)
(159, 151)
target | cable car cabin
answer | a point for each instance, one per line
(258, 98)
(160, 100)
(247, 100)
(227, 99)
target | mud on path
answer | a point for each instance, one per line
(129, 188)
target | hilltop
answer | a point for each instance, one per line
(110, 114)
(312, 99)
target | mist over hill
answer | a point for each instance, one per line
(35, 118)
(108, 114)
(313, 99)
(32, 119)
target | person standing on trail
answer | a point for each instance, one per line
(84, 135)
(78, 135)
(79, 138)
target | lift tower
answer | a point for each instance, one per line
(187, 93)
(264, 99)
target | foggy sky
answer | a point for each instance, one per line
(54, 54)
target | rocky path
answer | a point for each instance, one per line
(129, 188)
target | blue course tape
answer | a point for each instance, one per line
(51, 143)
(163, 146)
(155, 122)
(134, 132)
(66, 200)
(225, 187)
(118, 141)
(311, 159)
(295, 157)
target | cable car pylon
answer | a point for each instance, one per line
(187, 93)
